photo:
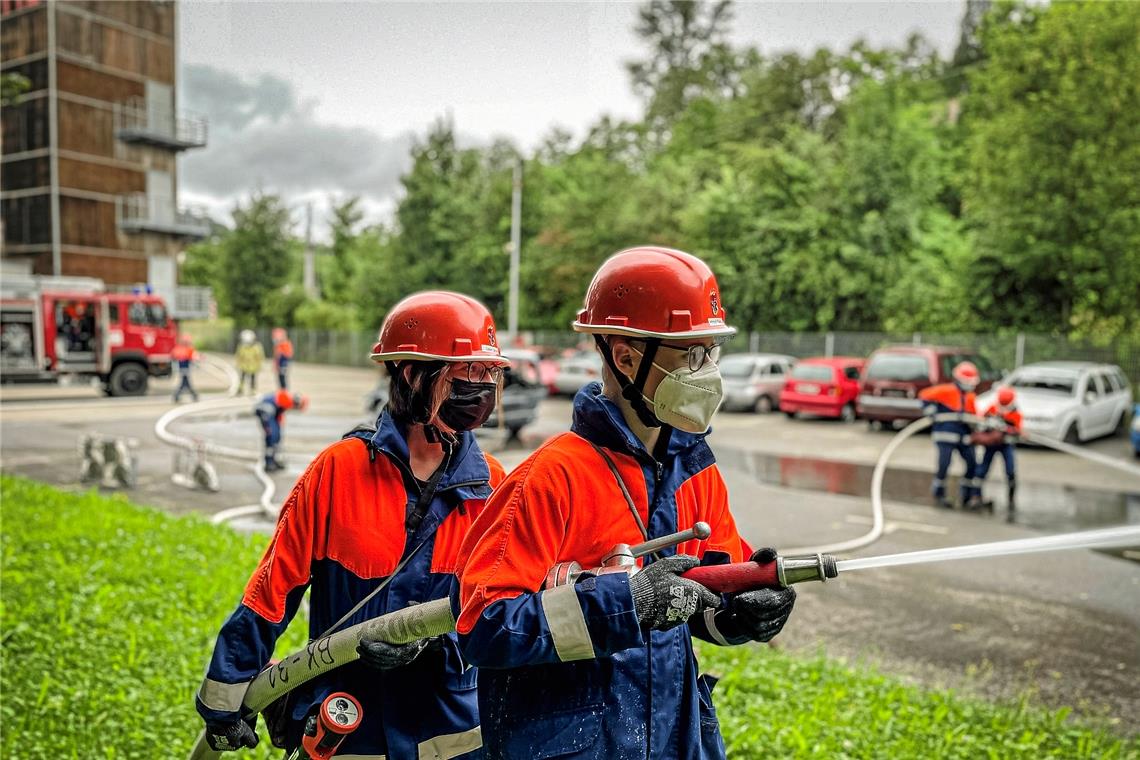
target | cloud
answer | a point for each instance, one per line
(261, 134)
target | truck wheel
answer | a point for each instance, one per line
(128, 379)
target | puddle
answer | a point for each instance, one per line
(1043, 506)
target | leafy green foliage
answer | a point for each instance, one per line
(109, 616)
(110, 610)
(775, 705)
(258, 256)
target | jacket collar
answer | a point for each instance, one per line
(600, 421)
(467, 473)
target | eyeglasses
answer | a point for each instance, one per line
(698, 353)
(481, 372)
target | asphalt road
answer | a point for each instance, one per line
(1065, 626)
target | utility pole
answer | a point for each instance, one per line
(310, 275)
(516, 242)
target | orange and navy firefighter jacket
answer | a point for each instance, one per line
(948, 398)
(1010, 415)
(341, 533)
(282, 354)
(274, 405)
(183, 355)
(568, 671)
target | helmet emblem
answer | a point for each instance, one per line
(491, 335)
(621, 291)
(714, 302)
(410, 323)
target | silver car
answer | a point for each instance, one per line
(576, 371)
(1068, 401)
(752, 382)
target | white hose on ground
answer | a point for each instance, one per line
(878, 518)
(254, 459)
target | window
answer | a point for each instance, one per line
(136, 313)
(733, 366)
(1115, 380)
(818, 372)
(1050, 382)
(1096, 385)
(851, 373)
(113, 313)
(775, 369)
(898, 367)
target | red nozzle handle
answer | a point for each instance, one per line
(736, 577)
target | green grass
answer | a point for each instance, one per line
(109, 612)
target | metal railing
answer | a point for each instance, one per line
(140, 212)
(134, 122)
(1004, 352)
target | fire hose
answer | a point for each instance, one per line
(435, 618)
(253, 459)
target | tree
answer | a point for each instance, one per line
(259, 256)
(1052, 193)
(688, 56)
(340, 268)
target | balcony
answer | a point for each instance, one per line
(144, 213)
(193, 302)
(135, 123)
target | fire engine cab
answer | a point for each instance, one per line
(56, 326)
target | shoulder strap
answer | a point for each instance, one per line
(624, 492)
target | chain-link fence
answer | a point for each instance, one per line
(1003, 351)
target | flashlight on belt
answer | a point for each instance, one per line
(339, 716)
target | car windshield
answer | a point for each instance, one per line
(812, 372)
(736, 366)
(897, 367)
(1064, 385)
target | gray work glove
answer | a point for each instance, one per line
(384, 656)
(663, 599)
(760, 614)
(226, 737)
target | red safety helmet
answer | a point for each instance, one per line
(438, 325)
(1005, 396)
(185, 339)
(649, 292)
(966, 374)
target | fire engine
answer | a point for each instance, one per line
(52, 327)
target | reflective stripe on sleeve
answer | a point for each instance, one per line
(567, 624)
(944, 437)
(223, 697)
(710, 624)
(449, 745)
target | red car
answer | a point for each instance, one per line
(823, 385)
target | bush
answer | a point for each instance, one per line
(110, 611)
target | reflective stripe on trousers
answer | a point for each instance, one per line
(443, 747)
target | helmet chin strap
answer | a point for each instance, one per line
(634, 391)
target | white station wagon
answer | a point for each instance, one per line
(1068, 401)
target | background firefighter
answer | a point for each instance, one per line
(1008, 418)
(949, 436)
(372, 526)
(184, 355)
(249, 357)
(282, 356)
(270, 412)
(605, 667)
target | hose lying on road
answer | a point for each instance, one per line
(254, 459)
(878, 520)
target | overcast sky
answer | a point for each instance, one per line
(319, 100)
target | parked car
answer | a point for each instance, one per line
(895, 374)
(823, 385)
(752, 382)
(1069, 401)
(522, 392)
(1136, 430)
(577, 370)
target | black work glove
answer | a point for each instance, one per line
(226, 737)
(663, 599)
(384, 656)
(760, 614)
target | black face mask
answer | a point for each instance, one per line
(468, 405)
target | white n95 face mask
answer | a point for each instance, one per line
(687, 400)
